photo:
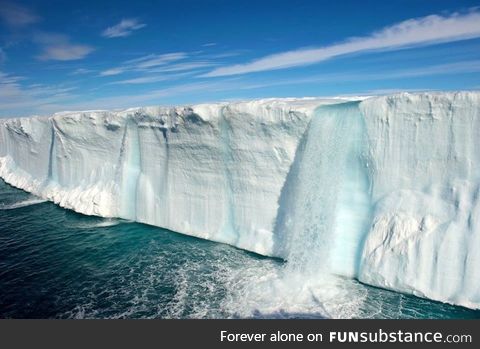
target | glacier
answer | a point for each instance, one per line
(382, 189)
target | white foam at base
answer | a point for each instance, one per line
(22, 203)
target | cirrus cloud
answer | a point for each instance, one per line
(16, 16)
(122, 29)
(415, 32)
(58, 47)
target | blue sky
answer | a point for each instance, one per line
(74, 55)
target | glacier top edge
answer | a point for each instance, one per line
(255, 107)
(304, 104)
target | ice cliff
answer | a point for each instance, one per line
(384, 189)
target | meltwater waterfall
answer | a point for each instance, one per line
(328, 215)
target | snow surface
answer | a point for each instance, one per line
(383, 189)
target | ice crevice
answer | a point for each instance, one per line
(382, 189)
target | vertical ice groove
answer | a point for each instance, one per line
(60, 168)
(155, 183)
(228, 229)
(164, 178)
(52, 154)
(121, 157)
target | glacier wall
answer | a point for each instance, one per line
(212, 171)
(383, 189)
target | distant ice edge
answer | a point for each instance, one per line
(384, 189)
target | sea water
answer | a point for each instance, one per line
(55, 263)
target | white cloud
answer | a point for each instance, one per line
(156, 97)
(7, 79)
(16, 16)
(42, 90)
(16, 99)
(145, 63)
(65, 52)
(141, 80)
(464, 67)
(410, 33)
(164, 64)
(58, 47)
(150, 79)
(153, 60)
(226, 54)
(82, 71)
(122, 29)
(112, 71)
(182, 67)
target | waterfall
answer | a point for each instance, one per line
(130, 159)
(327, 215)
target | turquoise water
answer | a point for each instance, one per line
(55, 263)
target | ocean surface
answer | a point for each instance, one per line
(55, 263)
